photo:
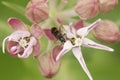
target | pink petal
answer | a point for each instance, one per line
(36, 31)
(59, 21)
(55, 52)
(79, 24)
(66, 47)
(16, 24)
(49, 34)
(14, 49)
(77, 53)
(29, 49)
(85, 30)
(37, 50)
(10, 47)
(90, 43)
(15, 36)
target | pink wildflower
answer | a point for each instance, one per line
(22, 42)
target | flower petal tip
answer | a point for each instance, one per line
(57, 59)
(3, 51)
(10, 19)
(111, 50)
(99, 19)
(91, 78)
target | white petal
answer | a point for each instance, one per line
(89, 43)
(69, 35)
(77, 53)
(29, 49)
(3, 44)
(72, 29)
(69, 30)
(85, 30)
(66, 47)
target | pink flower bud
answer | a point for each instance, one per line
(48, 67)
(107, 5)
(37, 10)
(107, 31)
(87, 9)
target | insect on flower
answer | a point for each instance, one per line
(57, 33)
(77, 38)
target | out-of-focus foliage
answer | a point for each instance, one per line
(103, 65)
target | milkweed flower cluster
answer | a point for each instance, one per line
(71, 35)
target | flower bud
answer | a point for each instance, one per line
(48, 67)
(37, 10)
(107, 5)
(87, 9)
(107, 31)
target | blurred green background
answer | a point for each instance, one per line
(103, 65)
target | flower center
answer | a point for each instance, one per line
(77, 41)
(24, 42)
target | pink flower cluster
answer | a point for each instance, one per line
(24, 41)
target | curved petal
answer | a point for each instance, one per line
(3, 44)
(55, 52)
(36, 31)
(12, 47)
(16, 50)
(77, 53)
(16, 24)
(85, 30)
(29, 49)
(89, 43)
(37, 49)
(49, 34)
(66, 47)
